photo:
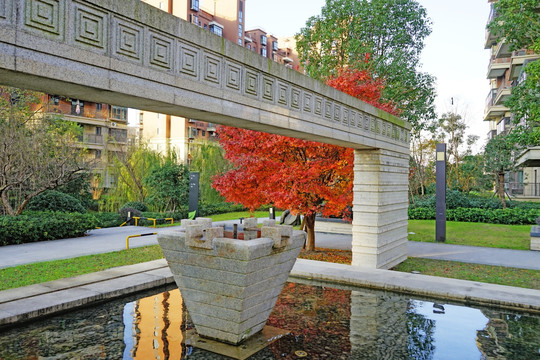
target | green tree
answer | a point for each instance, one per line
(518, 24)
(130, 167)
(168, 186)
(498, 158)
(38, 152)
(208, 159)
(382, 37)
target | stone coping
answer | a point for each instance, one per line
(35, 301)
(535, 231)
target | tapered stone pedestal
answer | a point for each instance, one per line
(230, 286)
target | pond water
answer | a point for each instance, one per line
(324, 323)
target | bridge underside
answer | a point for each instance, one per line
(131, 54)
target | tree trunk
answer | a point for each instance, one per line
(501, 189)
(310, 228)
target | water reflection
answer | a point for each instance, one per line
(153, 327)
(325, 323)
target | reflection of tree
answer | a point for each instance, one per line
(509, 336)
(318, 319)
(420, 329)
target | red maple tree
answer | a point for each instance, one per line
(307, 177)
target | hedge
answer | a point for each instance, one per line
(52, 200)
(41, 226)
(514, 216)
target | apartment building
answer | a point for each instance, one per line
(104, 130)
(504, 72)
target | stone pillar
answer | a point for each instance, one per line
(379, 231)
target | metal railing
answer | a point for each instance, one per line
(523, 190)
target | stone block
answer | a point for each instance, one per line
(269, 222)
(273, 233)
(186, 222)
(212, 233)
(205, 222)
(535, 243)
(243, 250)
(250, 223)
(195, 237)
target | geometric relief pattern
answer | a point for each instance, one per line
(189, 60)
(367, 122)
(234, 76)
(295, 98)
(337, 113)
(46, 15)
(307, 102)
(252, 83)
(352, 118)
(212, 68)
(161, 51)
(128, 39)
(318, 106)
(283, 94)
(268, 89)
(383, 128)
(327, 109)
(346, 117)
(91, 27)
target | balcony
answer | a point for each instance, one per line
(490, 37)
(501, 50)
(522, 190)
(493, 111)
(529, 158)
(519, 58)
(503, 126)
(503, 93)
(497, 67)
(93, 139)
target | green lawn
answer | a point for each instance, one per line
(58, 269)
(237, 215)
(474, 272)
(474, 234)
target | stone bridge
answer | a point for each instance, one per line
(131, 54)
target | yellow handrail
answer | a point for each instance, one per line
(138, 235)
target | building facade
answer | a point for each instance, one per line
(104, 130)
(505, 70)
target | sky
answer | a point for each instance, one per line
(454, 52)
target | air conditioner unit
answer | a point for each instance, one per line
(113, 124)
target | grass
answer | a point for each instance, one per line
(36, 273)
(475, 272)
(450, 269)
(474, 234)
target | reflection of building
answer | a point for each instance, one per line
(505, 70)
(226, 18)
(104, 129)
(378, 329)
(153, 327)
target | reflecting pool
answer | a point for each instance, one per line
(324, 323)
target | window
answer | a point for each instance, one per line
(77, 107)
(205, 27)
(97, 154)
(119, 112)
(240, 30)
(195, 5)
(194, 19)
(216, 29)
(99, 107)
(249, 46)
(203, 133)
(263, 51)
(55, 99)
(241, 11)
(98, 130)
(274, 46)
(240, 42)
(263, 40)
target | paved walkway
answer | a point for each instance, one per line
(114, 239)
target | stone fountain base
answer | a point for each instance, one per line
(230, 286)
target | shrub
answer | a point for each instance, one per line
(40, 226)
(125, 210)
(136, 205)
(218, 208)
(52, 200)
(107, 219)
(515, 216)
